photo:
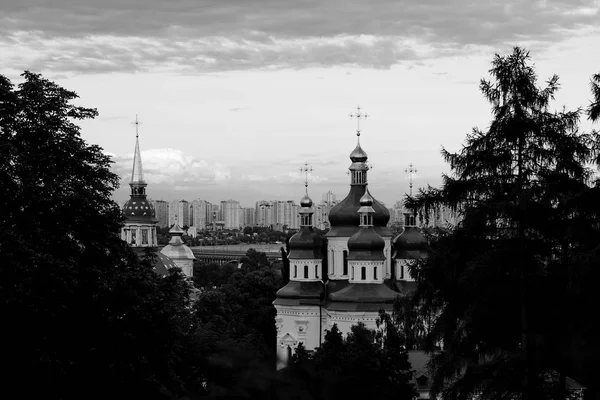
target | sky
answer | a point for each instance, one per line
(235, 96)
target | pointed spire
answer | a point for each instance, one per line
(137, 172)
(306, 202)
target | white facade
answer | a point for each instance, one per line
(305, 270)
(297, 324)
(366, 271)
(337, 252)
(345, 320)
(139, 235)
(401, 271)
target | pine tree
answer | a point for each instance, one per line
(520, 188)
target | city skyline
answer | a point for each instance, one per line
(235, 96)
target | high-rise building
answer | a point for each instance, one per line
(285, 213)
(199, 218)
(179, 211)
(249, 216)
(265, 213)
(162, 213)
(230, 214)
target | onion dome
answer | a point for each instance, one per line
(306, 243)
(176, 249)
(366, 200)
(306, 201)
(410, 243)
(366, 244)
(358, 154)
(344, 218)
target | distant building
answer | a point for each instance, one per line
(199, 216)
(249, 216)
(230, 214)
(179, 211)
(162, 213)
(265, 213)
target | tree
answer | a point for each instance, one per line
(594, 107)
(520, 187)
(87, 317)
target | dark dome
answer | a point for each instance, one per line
(306, 201)
(358, 154)
(305, 244)
(345, 214)
(366, 200)
(410, 243)
(366, 244)
(139, 209)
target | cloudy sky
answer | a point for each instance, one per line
(235, 95)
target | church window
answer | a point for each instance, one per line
(289, 353)
(363, 273)
(144, 236)
(375, 273)
(401, 270)
(345, 272)
(133, 236)
(306, 272)
(295, 271)
(317, 271)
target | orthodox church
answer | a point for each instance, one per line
(139, 230)
(366, 268)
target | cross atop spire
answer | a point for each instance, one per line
(137, 124)
(137, 172)
(411, 170)
(306, 169)
(358, 114)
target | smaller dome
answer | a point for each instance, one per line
(358, 154)
(410, 243)
(366, 200)
(306, 201)
(366, 239)
(139, 209)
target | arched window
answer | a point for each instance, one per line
(289, 353)
(144, 236)
(133, 236)
(363, 273)
(375, 273)
(401, 269)
(316, 271)
(306, 272)
(345, 271)
(295, 271)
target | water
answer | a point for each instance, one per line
(239, 248)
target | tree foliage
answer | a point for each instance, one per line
(522, 188)
(85, 316)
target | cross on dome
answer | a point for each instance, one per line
(358, 115)
(306, 169)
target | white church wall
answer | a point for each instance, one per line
(335, 257)
(296, 324)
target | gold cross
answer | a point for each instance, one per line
(359, 114)
(306, 169)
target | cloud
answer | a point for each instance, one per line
(173, 168)
(221, 35)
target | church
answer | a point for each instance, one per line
(366, 269)
(139, 229)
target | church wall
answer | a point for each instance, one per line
(296, 324)
(335, 257)
(401, 271)
(387, 251)
(346, 319)
(297, 270)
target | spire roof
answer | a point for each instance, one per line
(137, 172)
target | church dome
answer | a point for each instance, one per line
(358, 154)
(306, 201)
(305, 244)
(410, 243)
(345, 213)
(138, 209)
(366, 200)
(366, 244)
